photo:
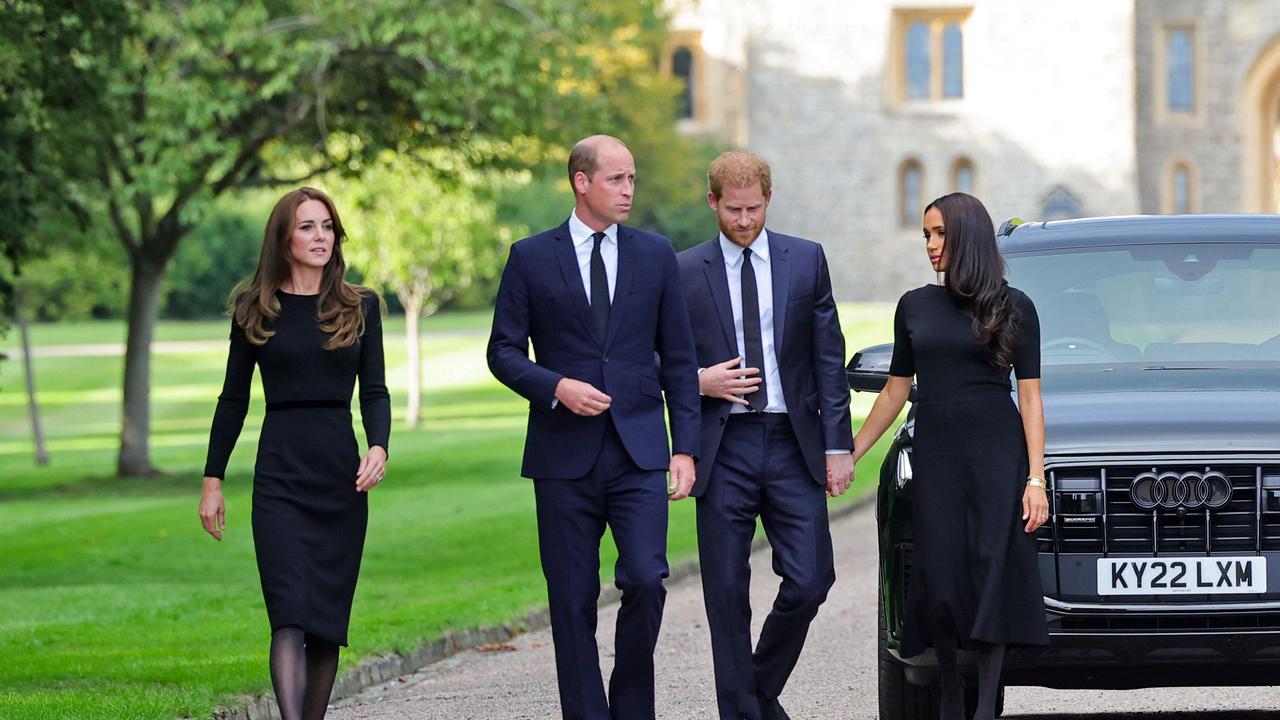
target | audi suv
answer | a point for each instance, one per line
(1160, 565)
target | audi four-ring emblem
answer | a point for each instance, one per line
(1170, 490)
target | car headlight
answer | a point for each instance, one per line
(902, 476)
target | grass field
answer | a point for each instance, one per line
(115, 604)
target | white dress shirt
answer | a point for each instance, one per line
(760, 262)
(580, 234)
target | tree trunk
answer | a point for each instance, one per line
(33, 408)
(147, 273)
(412, 314)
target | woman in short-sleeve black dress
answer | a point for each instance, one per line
(978, 463)
(312, 335)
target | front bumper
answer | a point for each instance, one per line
(1139, 646)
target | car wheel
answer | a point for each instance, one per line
(899, 699)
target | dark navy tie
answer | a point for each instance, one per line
(599, 290)
(754, 350)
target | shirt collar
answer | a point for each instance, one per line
(580, 234)
(733, 253)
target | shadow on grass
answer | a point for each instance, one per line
(161, 484)
(487, 416)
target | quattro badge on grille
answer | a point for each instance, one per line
(1171, 490)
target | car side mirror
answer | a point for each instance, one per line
(868, 371)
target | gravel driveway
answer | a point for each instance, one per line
(836, 677)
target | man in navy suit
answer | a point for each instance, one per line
(602, 304)
(776, 439)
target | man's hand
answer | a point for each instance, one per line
(728, 381)
(680, 484)
(581, 398)
(839, 473)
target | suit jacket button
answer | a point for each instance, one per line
(606, 358)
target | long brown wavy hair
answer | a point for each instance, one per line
(254, 304)
(975, 275)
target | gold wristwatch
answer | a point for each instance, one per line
(1038, 481)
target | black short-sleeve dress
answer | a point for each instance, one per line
(308, 520)
(974, 571)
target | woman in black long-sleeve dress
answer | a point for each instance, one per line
(978, 459)
(312, 335)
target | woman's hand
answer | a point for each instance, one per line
(213, 511)
(1035, 507)
(373, 466)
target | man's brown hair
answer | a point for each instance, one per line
(584, 158)
(739, 168)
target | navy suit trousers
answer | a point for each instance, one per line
(760, 472)
(572, 515)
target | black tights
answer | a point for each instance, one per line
(990, 664)
(302, 671)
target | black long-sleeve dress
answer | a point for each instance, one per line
(974, 571)
(308, 520)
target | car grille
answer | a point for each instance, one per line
(1093, 512)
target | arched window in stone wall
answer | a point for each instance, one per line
(962, 176)
(910, 193)
(952, 61)
(1180, 189)
(682, 68)
(1060, 204)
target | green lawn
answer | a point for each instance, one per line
(113, 602)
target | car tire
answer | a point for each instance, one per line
(899, 699)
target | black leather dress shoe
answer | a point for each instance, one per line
(771, 709)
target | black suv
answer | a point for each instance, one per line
(1161, 378)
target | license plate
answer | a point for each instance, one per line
(1176, 576)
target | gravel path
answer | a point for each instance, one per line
(836, 677)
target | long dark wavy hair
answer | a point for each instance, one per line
(975, 274)
(253, 302)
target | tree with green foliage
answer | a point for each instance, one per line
(219, 253)
(424, 235)
(671, 168)
(170, 105)
(34, 58)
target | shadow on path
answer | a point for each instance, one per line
(1187, 715)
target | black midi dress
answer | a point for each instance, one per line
(974, 573)
(308, 519)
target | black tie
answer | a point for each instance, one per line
(599, 290)
(754, 349)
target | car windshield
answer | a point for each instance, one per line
(1156, 306)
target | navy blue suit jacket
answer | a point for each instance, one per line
(648, 350)
(807, 340)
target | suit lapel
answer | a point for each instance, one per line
(573, 278)
(780, 267)
(718, 279)
(627, 264)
